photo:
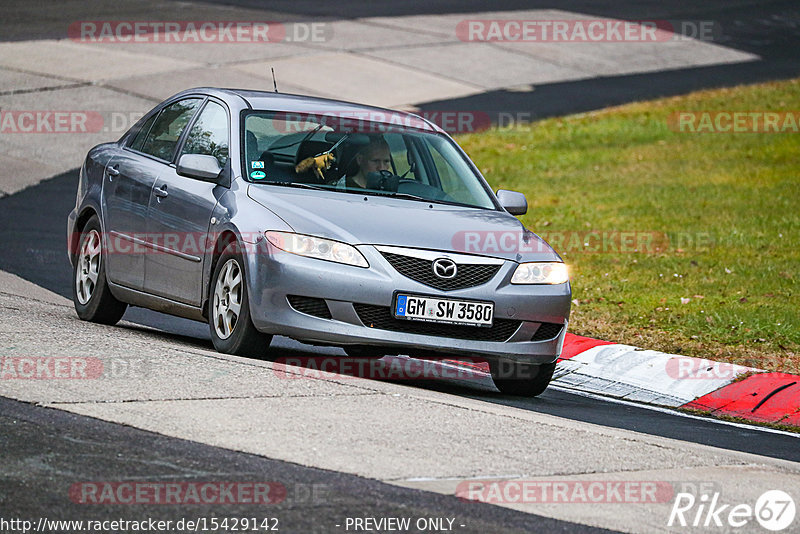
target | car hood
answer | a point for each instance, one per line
(360, 219)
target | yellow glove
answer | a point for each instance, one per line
(318, 164)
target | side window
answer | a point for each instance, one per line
(138, 141)
(450, 166)
(451, 184)
(209, 135)
(163, 137)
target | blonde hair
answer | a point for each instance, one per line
(375, 143)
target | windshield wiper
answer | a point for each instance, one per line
(387, 194)
(409, 196)
(293, 184)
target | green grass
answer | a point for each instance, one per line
(729, 203)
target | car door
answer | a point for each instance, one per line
(180, 212)
(128, 184)
(127, 181)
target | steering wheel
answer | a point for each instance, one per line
(382, 181)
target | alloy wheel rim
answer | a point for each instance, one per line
(228, 292)
(88, 267)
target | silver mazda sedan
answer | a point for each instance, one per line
(328, 222)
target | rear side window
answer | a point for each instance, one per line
(162, 139)
(209, 135)
(138, 141)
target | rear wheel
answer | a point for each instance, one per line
(232, 329)
(90, 293)
(523, 380)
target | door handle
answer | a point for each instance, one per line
(112, 170)
(161, 192)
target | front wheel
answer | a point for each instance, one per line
(520, 379)
(90, 293)
(232, 329)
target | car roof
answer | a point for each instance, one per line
(285, 102)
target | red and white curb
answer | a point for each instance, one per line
(637, 375)
(652, 377)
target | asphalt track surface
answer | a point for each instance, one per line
(768, 29)
(32, 228)
(35, 439)
(32, 234)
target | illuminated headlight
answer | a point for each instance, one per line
(540, 273)
(317, 247)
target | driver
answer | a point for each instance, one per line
(373, 157)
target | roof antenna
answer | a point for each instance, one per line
(274, 83)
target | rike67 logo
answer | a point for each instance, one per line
(774, 510)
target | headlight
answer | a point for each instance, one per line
(317, 247)
(540, 273)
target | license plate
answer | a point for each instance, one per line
(436, 310)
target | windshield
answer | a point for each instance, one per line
(355, 156)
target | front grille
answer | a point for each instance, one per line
(309, 305)
(421, 270)
(547, 331)
(381, 317)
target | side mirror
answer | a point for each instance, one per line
(200, 166)
(513, 202)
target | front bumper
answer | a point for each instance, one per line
(273, 275)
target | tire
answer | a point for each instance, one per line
(90, 293)
(522, 380)
(232, 330)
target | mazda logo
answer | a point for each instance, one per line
(445, 268)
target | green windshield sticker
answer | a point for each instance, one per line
(258, 175)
